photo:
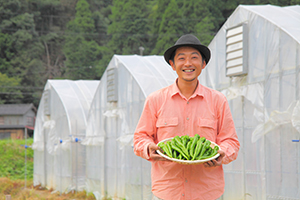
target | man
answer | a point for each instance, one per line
(186, 108)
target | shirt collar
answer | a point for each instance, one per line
(175, 90)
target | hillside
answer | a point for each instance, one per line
(76, 39)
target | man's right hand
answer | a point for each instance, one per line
(153, 154)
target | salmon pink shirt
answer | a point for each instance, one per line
(168, 113)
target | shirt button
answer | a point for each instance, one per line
(187, 118)
(186, 180)
(165, 123)
(188, 102)
(182, 194)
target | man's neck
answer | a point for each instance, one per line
(186, 88)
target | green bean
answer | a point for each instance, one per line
(193, 145)
(178, 149)
(169, 149)
(198, 149)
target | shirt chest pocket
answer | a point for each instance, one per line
(208, 128)
(166, 127)
(167, 122)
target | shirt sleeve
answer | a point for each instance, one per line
(145, 132)
(227, 136)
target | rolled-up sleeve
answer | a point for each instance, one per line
(145, 132)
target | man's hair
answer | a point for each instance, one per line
(173, 55)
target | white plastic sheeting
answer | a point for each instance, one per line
(264, 103)
(113, 170)
(59, 161)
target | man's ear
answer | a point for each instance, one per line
(172, 64)
(203, 64)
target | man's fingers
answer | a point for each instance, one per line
(215, 162)
(154, 155)
(222, 154)
(157, 157)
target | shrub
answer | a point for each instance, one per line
(12, 156)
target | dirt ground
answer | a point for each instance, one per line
(17, 191)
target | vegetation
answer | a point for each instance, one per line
(67, 39)
(12, 156)
(16, 189)
(12, 174)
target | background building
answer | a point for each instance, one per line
(16, 120)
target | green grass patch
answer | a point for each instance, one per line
(12, 157)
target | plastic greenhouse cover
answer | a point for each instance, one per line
(265, 19)
(149, 72)
(67, 93)
(111, 126)
(68, 103)
(264, 102)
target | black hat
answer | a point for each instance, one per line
(188, 40)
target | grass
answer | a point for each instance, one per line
(12, 175)
(12, 156)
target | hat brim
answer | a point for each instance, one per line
(201, 48)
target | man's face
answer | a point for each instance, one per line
(188, 63)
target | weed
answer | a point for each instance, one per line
(12, 156)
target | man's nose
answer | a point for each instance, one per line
(188, 62)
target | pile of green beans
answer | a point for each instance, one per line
(188, 148)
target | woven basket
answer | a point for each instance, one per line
(188, 162)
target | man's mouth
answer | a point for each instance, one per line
(189, 70)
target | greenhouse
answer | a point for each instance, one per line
(113, 170)
(59, 159)
(256, 63)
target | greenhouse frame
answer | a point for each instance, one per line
(59, 159)
(256, 63)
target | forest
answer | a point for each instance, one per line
(76, 39)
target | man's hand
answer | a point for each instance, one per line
(215, 162)
(153, 154)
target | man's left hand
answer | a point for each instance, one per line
(215, 162)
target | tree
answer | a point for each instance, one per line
(18, 35)
(51, 18)
(81, 51)
(83, 22)
(9, 90)
(129, 27)
(45, 39)
(171, 28)
(156, 15)
(100, 14)
(198, 20)
(6, 52)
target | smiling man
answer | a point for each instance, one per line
(189, 64)
(186, 108)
